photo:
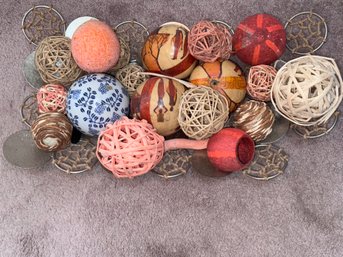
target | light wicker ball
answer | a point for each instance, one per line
(308, 90)
(130, 77)
(52, 131)
(129, 147)
(203, 112)
(52, 98)
(54, 61)
(260, 81)
(255, 118)
(209, 42)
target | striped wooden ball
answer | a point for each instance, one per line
(259, 39)
(225, 77)
(166, 51)
(157, 100)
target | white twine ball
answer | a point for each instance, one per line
(308, 90)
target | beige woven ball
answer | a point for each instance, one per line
(308, 90)
(255, 118)
(130, 77)
(203, 112)
(260, 81)
(54, 61)
(124, 57)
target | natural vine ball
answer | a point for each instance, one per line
(95, 100)
(129, 148)
(260, 81)
(230, 150)
(225, 77)
(203, 112)
(308, 90)
(259, 39)
(95, 46)
(157, 100)
(54, 61)
(166, 52)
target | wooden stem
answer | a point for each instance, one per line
(175, 144)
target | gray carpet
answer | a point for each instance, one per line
(44, 212)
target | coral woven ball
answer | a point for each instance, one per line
(230, 150)
(157, 100)
(166, 51)
(129, 148)
(94, 101)
(225, 77)
(95, 46)
(259, 39)
(51, 98)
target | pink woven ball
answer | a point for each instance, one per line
(52, 98)
(260, 81)
(95, 47)
(129, 147)
(209, 42)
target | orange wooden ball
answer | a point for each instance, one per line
(225, 77)
(95, 46)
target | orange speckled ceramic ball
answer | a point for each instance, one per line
(95, 46)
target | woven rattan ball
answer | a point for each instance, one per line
(124, 57)
(203, 112)
(51, 131)
(129, 148)
(130, 77)
(260, 81)
(208, 41)
(54, 61)
(51, 98)
(308, 90)
(255, 118)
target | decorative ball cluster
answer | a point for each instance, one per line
(51, 98)
(52, 131)
(308, 90)
(124, 57)
(54, 61)
(209, 41)
(129, 148)
(203, 112)
(260, 81)
(130, 77)
(255, 118)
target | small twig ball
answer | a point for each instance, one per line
(255, 118)
(129, 148)
(209, 41)
(95, 46)
(203, 112)
(260, 81)
(130, 76)
(308, 90)
(52, 98)
(54, 61)
(51, 131)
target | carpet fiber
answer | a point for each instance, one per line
(44, 212)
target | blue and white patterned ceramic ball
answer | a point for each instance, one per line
(95, 100)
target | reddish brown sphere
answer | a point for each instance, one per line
(259, 39)
(230, 150)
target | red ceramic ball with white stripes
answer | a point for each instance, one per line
(259, 39)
